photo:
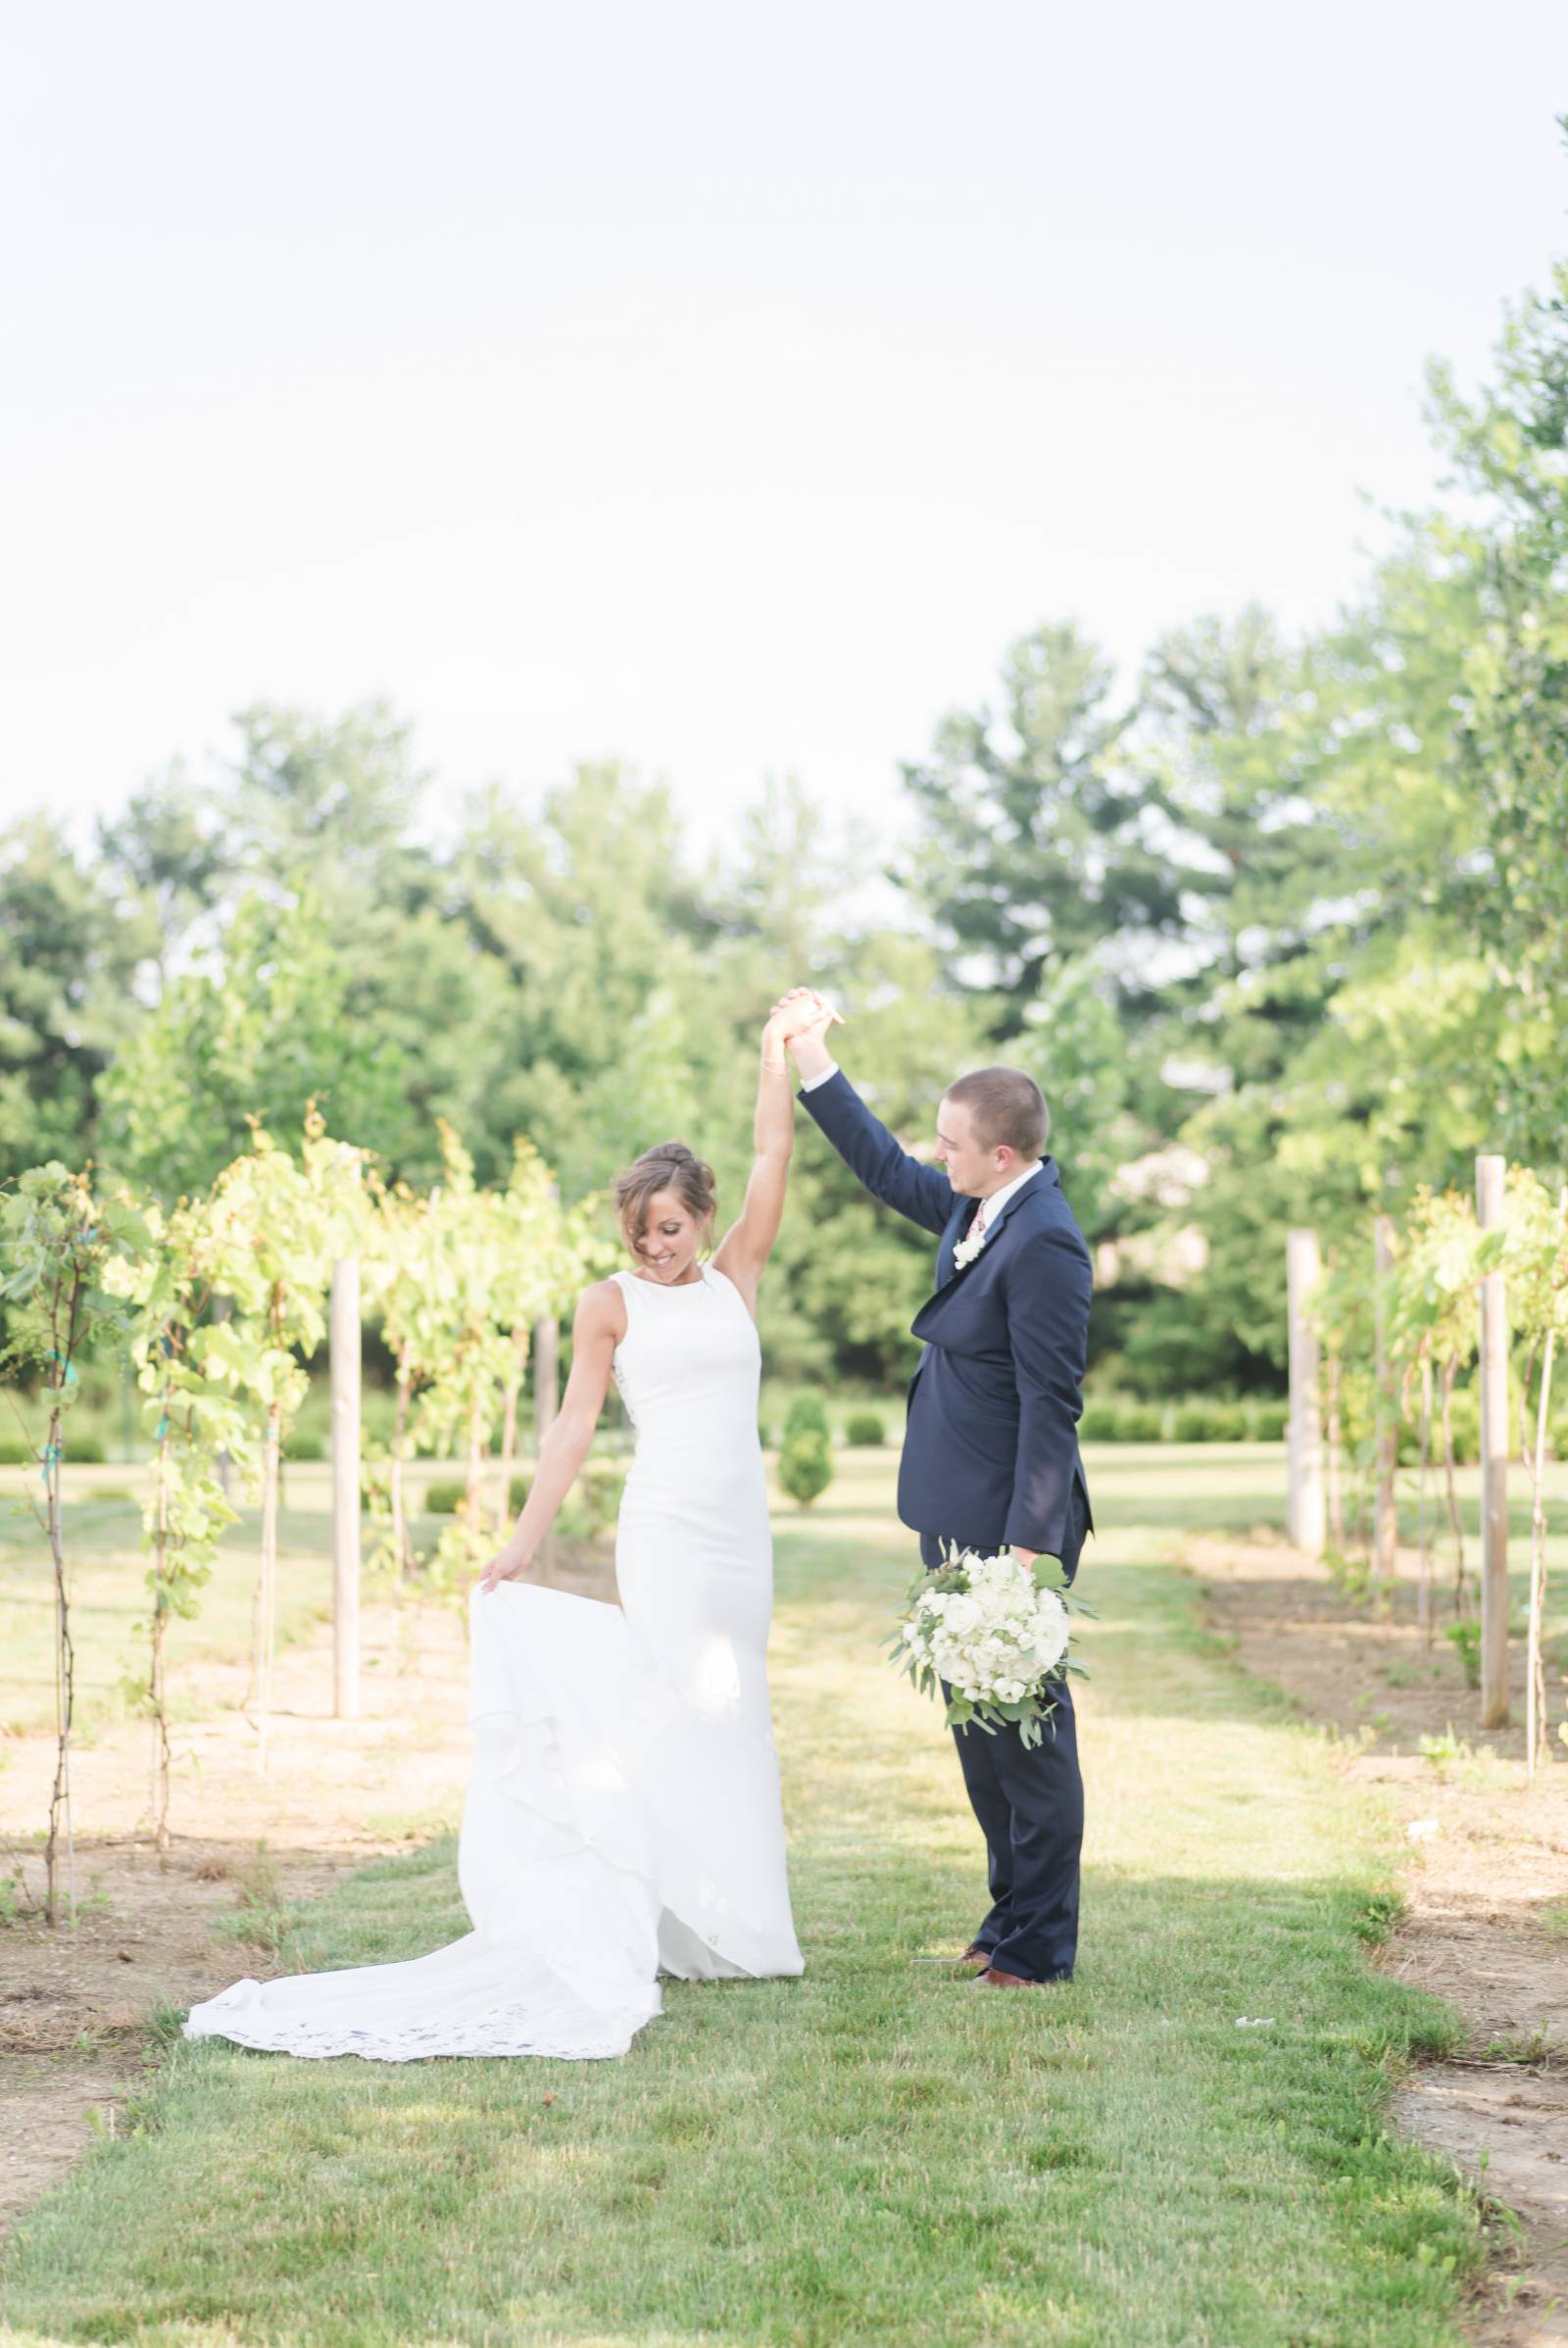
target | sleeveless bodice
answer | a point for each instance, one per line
(689, 1367)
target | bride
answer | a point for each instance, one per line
(622, 1816)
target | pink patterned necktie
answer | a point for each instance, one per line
(977, 1229)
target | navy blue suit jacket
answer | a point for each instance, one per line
(991, 1447)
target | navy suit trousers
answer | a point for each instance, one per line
(1029, 1801)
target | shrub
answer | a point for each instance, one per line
(1361, 1426)
(805, 1416)
(1195, 1421)
(1351, 1576)
(83, 1448)
(805, 1464)
(588, 1511)
(1122, 1422)
(1208, 1423)
(1265, 1421)
(1099, 1423)
(1466, 1638)
(299, 1444)
(441, 1499)
(1142, 1423)
(594, 1502)
(865, 1426)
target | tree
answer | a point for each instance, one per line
(274, 1229)
(805, 1455)
(59, 1241)
(262, 1026)
(1508, 445)
(1438, 1315)
(1334, 1028)
(473, 1349)
(1037, 841)
(196, 1420)
(401, 1282)
(69, 958)
(608, 1029)
(1534, 1259)
(164, 857)
(331, 799)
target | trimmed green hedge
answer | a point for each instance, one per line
(81, 1450)
(1189, 1422)
(441, 1499)
(589, 1509)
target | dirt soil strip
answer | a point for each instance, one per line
(76, 2004)
(1486, 1923)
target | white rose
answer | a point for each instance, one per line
(1053, 1630)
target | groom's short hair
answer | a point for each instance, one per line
(1005, 1105)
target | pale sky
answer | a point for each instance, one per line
(712, 386)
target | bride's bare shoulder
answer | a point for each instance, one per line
(602, 1311)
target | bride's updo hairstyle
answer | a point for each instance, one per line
(669, 1167)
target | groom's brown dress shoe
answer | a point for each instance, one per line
(994, 1977)
(974, 1954)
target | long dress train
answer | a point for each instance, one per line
(622, 1816)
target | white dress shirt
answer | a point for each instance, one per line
(999, 1198)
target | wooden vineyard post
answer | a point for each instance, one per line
(1495, 1435)
(346, 1349)
(1385, 1524)
(1305, 1502)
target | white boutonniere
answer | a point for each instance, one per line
(967, 1248)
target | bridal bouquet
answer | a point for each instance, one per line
(996, 1632)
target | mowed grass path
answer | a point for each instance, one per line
(878, 2152)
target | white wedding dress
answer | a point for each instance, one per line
(622, 1817)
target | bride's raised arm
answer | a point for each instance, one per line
(748, 1243)
(598, 1328)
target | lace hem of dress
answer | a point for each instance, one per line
(507, 2030)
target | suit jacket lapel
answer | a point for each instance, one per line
(1029, 1189)
(956, 1230)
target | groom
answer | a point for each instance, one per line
(991, 1447)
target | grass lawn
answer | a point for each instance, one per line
(877, 2153)
(109, 1593)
